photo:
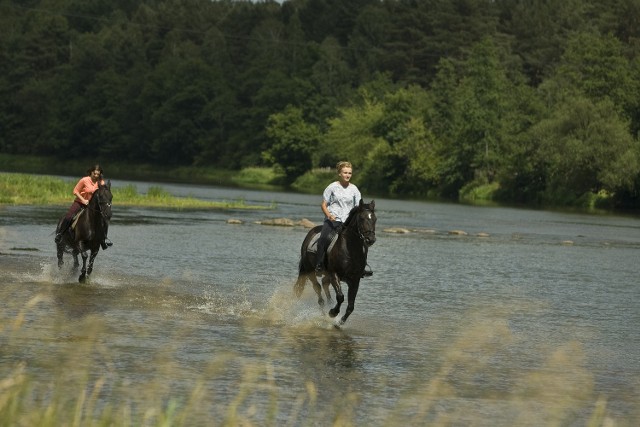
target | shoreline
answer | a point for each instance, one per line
(23, 189)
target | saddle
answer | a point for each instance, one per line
(313, 244)
(75, 219)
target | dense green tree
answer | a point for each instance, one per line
(539, 30)
(367, 41)
(292, 142)
(595, 66)
(585, 147)
(476, 117)
(386, 139)
(433, 97)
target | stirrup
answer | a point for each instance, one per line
(367, 273)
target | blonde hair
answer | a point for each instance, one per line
(342, 165)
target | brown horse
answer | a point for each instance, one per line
(89, 232)
(346, 261)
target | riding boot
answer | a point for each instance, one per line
(106, 243)
(367, 273)
(63, 229)
(320, 255)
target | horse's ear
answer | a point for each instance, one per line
(361, 203)
(373, 204)
(109, 185)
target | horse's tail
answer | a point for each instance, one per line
(298, 287)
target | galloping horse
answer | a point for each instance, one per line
(346, 261)
(90, 231)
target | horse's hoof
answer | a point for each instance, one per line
(333, 313)
(82, 279)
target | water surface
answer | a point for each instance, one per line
(536, 323)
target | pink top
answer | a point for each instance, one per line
(85, 187)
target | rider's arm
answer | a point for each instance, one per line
(326, 211)
(82, 199)
(77, 191)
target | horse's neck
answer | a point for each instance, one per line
(93, 213)
(352, 237)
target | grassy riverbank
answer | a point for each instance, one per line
(25, 189)
(256, 178)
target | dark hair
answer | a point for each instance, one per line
(94, 168)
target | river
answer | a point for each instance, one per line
(529, 317)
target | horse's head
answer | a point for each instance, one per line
(104, 197)
(366, 222)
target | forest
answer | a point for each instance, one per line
(532, 102)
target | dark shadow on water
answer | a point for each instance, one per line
(77, 300)
(332, 350)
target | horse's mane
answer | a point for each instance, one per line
(355, 210)
(352, 214)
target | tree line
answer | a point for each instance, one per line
(522, 101)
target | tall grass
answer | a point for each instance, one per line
(86, 387)
(24, 189)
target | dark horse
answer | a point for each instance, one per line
(346, 261)
(90, 231)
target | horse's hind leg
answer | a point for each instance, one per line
(76, 262)
(325, 285)
(318, 290)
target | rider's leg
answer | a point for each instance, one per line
(64, 225)
(68, 219)
(327, 228)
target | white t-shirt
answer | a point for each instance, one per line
(341, 200)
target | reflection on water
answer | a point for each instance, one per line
(534, 324)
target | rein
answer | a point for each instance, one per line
(97, 196)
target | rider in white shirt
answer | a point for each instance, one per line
(337, 201)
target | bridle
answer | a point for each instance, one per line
(96, 194)
(364, 234)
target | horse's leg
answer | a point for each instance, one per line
(318, 290)
(325, 285)
(83, 272)
(76, 262)
(351, 299)
(60, 253)
(92, 258)
(339, 295)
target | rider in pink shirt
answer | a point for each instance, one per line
(83, 191)
(85, 188)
